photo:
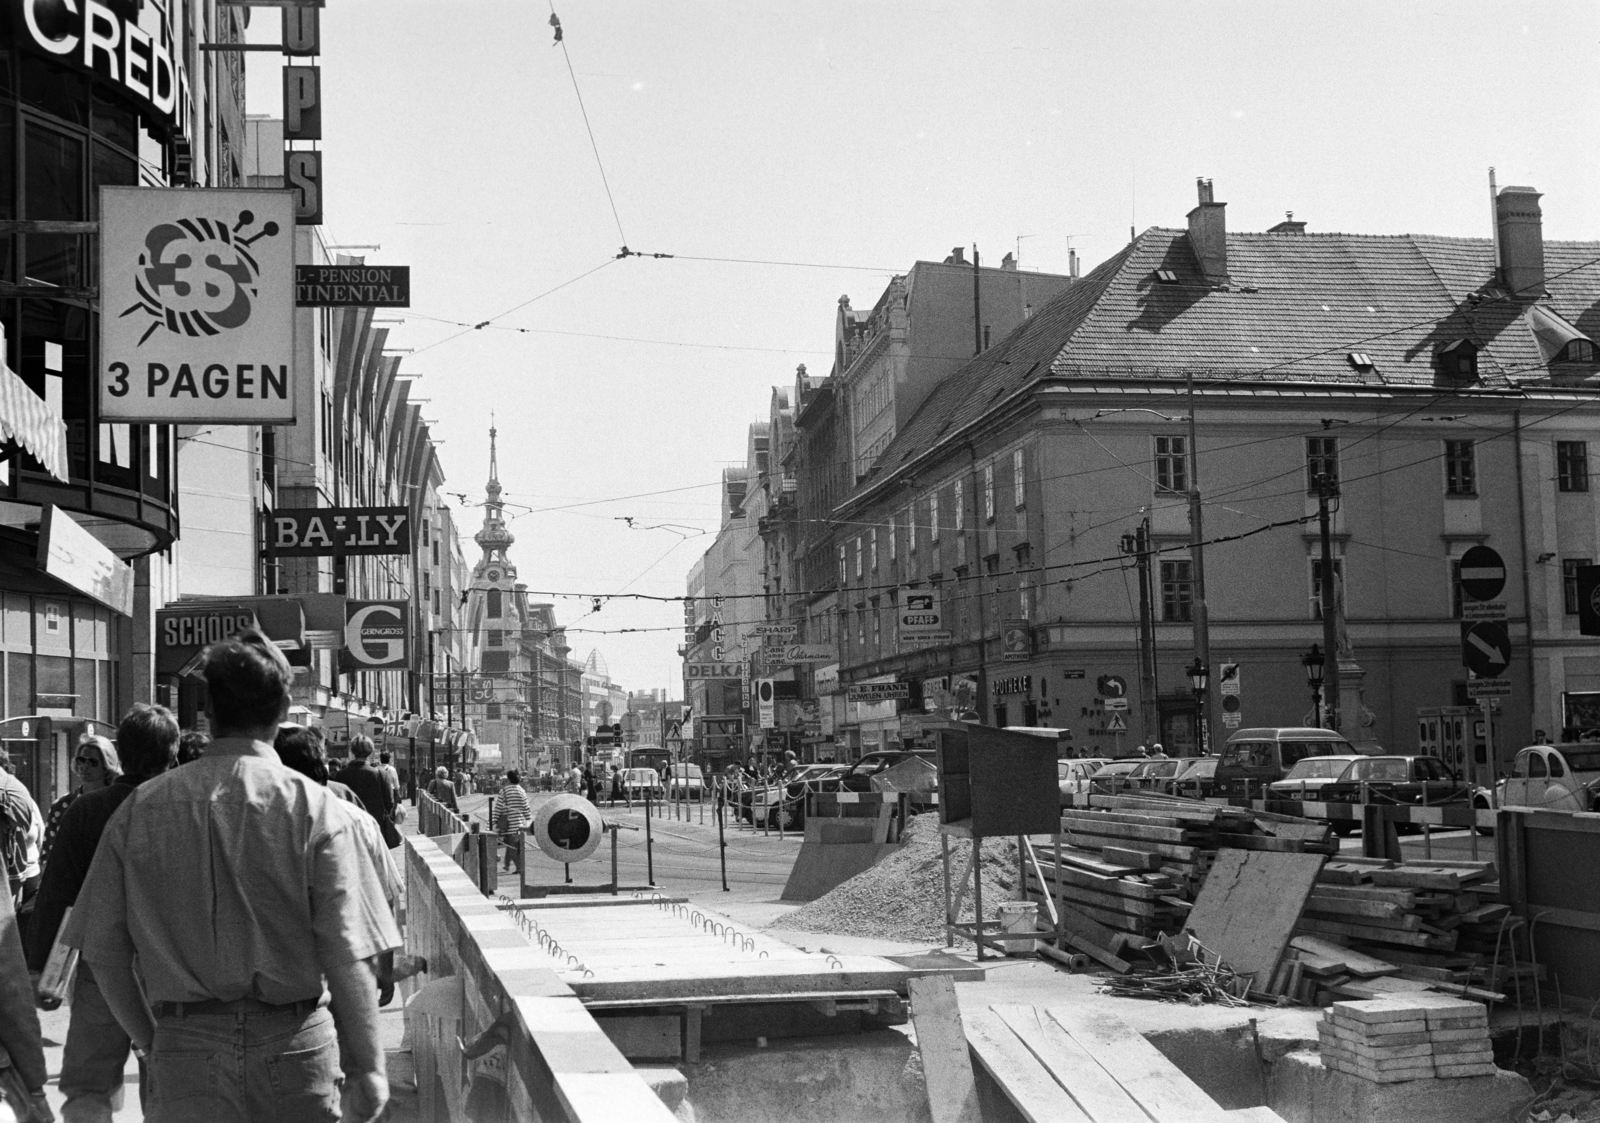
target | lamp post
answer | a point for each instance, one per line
(1313, 662)
(1198, 674)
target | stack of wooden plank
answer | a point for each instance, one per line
(1392, 1040)
(1385, 924)
(1133, 900)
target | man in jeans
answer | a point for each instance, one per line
(237, 896)
(97, 1047)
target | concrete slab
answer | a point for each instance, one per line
(1303, 1091)
(870, 1076)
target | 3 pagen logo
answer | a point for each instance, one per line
(197, 276)
(375, 635)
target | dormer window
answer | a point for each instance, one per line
(1165, 277)
(1577, 351)
(1361, 361)
(1458, 361)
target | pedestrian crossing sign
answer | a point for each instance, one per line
(1116, 723)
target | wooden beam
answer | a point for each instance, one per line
(946, 1061)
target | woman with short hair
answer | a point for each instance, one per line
(96, 765)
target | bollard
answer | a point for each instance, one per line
(722, 841)
(1427, 828)
(649, 852)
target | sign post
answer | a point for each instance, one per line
(1485, 641)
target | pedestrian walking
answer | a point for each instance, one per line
(21, 836)
(371, 786)
(393, 777)
(512, 815)
(192, 746)
(97, 1046)
(22, 1085)
(225, 893)
(97, 766)
(441, 789)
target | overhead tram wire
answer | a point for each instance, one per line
(517, 308)
(561, 41)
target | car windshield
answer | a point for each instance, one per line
(1200, 769)
(1248, 754)
(1163, 768)
(1116, 769)
(1382, 768)
(1317, 768)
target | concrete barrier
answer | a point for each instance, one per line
(495, 1034)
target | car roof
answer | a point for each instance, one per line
(1286, 733)
(1346, 757)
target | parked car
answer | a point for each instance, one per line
(1557, 777)
(637, 781)
(1148, 776)
(1310, 776)
(1254, 758)
(1197, 780)
(685, 781)
(792, 792)
(1111, 778)
(1074, 776)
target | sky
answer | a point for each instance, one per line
(846, 141)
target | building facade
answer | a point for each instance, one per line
(1445, 387)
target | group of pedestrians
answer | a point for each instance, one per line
(234, 916)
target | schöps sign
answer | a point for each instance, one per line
(376, 636)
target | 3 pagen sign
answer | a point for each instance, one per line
(197, 288)
(376, 637)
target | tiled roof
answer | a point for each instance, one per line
(1294, 308)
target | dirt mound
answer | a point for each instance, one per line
(902, 897)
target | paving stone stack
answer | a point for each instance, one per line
(1389, 1040)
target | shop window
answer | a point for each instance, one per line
(55, 89)
(19, 684)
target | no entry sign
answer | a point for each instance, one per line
(1483, 573)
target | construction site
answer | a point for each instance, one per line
(967, 944)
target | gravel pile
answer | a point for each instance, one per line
(902, 897)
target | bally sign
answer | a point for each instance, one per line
(198, 291)
(309, 532)
(375, 636)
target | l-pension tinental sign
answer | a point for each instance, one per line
(376, 636)
(197, 292)
(352, 286)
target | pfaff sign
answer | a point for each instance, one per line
(198, 291)
(94, 37)
(375, 636)
(321, 532)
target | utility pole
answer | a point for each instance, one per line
(1328, 489)
(1197, 556)
(1138, 544)
(977, 305)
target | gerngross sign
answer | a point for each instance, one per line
(197, 292)
(375, 636)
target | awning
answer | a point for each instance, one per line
(27, 418)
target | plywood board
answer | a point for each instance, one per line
(1248, 909)
(1026, 1083)
(1072, 1066)
(946, 1061)
(1159, 1087)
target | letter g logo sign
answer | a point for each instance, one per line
(375, 636)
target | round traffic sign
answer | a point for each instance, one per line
(1112, 686)
(568, 828)
(1485, 647)
(1483, 573)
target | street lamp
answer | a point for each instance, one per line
(1198, 672)
(1313, 662)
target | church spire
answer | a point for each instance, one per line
(494, 538)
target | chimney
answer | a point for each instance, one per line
(1208, 234)
(1288, 225)
(1519, 226)
(1009, 261)
(958, 256)
(1072, 263)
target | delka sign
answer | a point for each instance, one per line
(197, 292)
